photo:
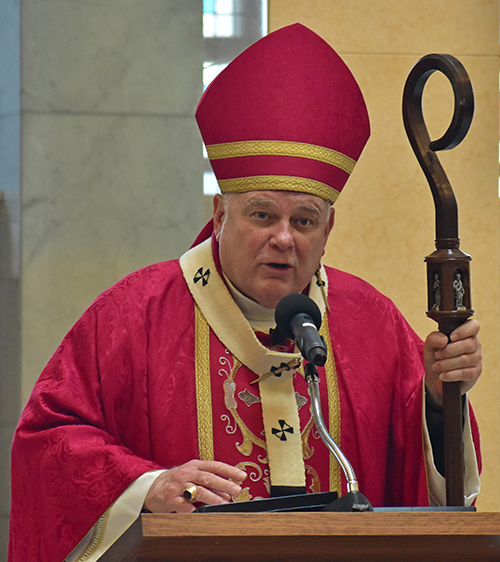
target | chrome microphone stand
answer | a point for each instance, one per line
(312, 379)
(354, 500)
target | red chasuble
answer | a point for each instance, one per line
(120, 397)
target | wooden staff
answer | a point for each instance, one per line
(448, 277)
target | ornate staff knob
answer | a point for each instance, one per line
(448, 277)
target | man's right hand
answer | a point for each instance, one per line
(215, 483)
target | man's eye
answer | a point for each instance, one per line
(304, 222)
(260, 215)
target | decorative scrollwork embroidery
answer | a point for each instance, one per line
(245, 447)
(230, 429)
(254, 474)
(315, 485)
(307, 450)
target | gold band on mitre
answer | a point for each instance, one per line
(281, 148)
(279, 183)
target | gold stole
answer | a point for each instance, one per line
(277, 394)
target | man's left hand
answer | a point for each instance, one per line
(459, 360)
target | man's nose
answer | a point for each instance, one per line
(282, 236)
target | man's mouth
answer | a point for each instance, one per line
(279, 265)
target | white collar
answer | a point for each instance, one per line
(259, 317)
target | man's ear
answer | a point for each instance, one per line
(218, 213)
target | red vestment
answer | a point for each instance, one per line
(118, 399)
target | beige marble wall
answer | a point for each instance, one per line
(385, 218)
(112, 161)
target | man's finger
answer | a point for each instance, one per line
(469, 328)
(221, 469)
(216, 483)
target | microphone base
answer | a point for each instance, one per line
(352, 501)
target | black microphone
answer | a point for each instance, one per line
(298, 317)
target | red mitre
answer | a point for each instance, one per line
(286, 114)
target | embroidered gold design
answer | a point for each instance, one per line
(254, 474)
(333, 404)
(248, 398)
(267, 481)
(96, 539)
(229, 399)
(203, 387)
(243, 496)
(315, 484)
(281, 148)
(307, 451)
(277, 371)
(249, 438)
(279, 183)
(301, 400)
(230, 429)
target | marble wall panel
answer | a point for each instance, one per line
(10, 352)
(112, 56)
(111, 166)
(103, 196)
(10, 333)
(4, 534)
(6, 432)
(10, 195)
(9, 57)
(9, 140)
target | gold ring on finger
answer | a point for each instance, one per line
(190, 493)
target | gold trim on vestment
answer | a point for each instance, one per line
(203, 386)
(333, 405)
(281, 148)
(279, 183)
(96, 538)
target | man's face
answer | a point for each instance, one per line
(271, 242)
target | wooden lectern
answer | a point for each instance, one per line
(448, 536)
